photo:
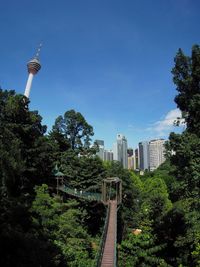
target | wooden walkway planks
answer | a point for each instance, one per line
(108, 259)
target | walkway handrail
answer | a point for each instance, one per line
(115, 255)
(80, 194)
(99, 255)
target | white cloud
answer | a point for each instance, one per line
(163, 127)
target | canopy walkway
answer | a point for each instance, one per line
(80, 194)
(107, 256)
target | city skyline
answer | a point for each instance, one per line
(148, 155)
(111, 61)
(128, 146)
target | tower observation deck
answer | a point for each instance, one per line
(33, 67)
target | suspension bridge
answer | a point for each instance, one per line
(111, 197)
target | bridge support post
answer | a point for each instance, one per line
(111, 189)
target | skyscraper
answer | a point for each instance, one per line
(131, 162)
(99, 142)
(144, 155)
(137, 160)
(108, 155)
(130, 152)
(33, 67)
(156, 153)
(120, 150)
(131, 159)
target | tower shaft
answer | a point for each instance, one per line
(28, 85)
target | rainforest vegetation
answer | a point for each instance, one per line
(39, 227)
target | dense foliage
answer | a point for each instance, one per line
(185, 159)
(62, 223)
(36, 228)
(25, 161)
(25, 153)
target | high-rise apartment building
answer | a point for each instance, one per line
(156, 153)
(131, 163)
(144, 155)
(120, 150)
(130, 152)
(108, 155)
(137, 161)
(99, 142)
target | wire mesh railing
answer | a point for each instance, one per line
(99, 255)
(80, 193)
(115, 251)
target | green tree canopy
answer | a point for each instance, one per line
(75, 129)
(62, 224)
(82, 172)
(155, 201)
(187, 79)
(24, 150)
(140, 251)
(179, 228)
(185, 147)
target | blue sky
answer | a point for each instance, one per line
(111, 60)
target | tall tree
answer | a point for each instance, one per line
(75, 129)
(25, 160)
(24, 150)
(187, 79)
(186, 156)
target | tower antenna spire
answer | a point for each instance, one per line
(38, 51)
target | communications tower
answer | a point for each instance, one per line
(33, 67)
